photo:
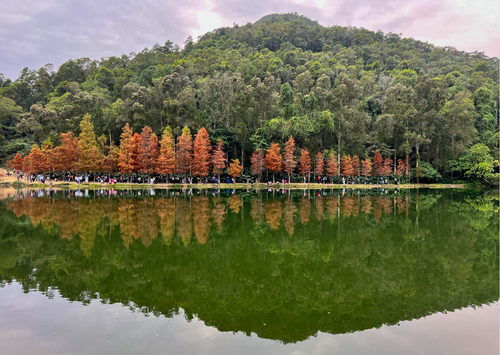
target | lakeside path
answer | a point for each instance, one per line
(10, 181)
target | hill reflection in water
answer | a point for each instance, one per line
(283, 265)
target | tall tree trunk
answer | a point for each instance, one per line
(338, 155)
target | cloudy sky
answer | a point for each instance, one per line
(37, 32)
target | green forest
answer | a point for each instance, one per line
(344, 90)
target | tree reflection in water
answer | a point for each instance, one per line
(281, 265)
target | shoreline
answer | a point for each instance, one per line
(293, 186)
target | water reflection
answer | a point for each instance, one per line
(281, 264)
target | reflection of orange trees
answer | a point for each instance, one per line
(367, 204)
(331, 207)
(346, 205)
(234, 203)
(128, 221)
(184, 225)
(257, 210)
(385, 204)
(319, 207)
(166, 213)
(355, 207)
(273, 211)
(219, 215)
(377, 212)
(288, 213)
(381, 206)
(305, 210)
(202, 220)
(402, 205)
(147, 220)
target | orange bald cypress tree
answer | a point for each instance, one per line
(166, 161)
(355, 165)
(148, 151)
(110, 163)
(36, 159)
(387, 167)
(367, 168)
(235, 168)
(66, 154)
(320, 164)
(332, 167)
(184, 152)
(17, 163)
(289, 162)
(136, 141)
(401, 169)
(273, 159)
(219, 158)
(126, 163)
(27, 165)
(258, 163)
(346, 168)
(305, 163)
(202, 153)
(378, 162)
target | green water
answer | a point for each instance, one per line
(247, 272)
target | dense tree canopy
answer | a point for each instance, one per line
(344, 89)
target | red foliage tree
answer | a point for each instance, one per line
(27, 165)
(355, 165)
(273, 159)
(127, 163)
(378, 163)
(17, 163)
(332, 168)
(387, 167)
(136, 141)
(219, 158)
(184, 152)
(166, 161)
(258, 163)
(36, 159)
(66, 154)
(305, 162)
(346, 168)
(202, 153)
(401, 168)
(148, 151)
(320, 164)
(289, 162)
(367, 168)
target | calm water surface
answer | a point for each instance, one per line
(249, 272)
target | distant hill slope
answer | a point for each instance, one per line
(288, 17)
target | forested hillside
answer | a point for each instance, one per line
(342, 89)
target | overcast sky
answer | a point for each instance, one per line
(37, 32)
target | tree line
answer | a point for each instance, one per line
(345, 89)
(145, 153)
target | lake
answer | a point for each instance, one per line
(249, 272)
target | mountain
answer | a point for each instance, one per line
(337, 89)
(288, 17)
